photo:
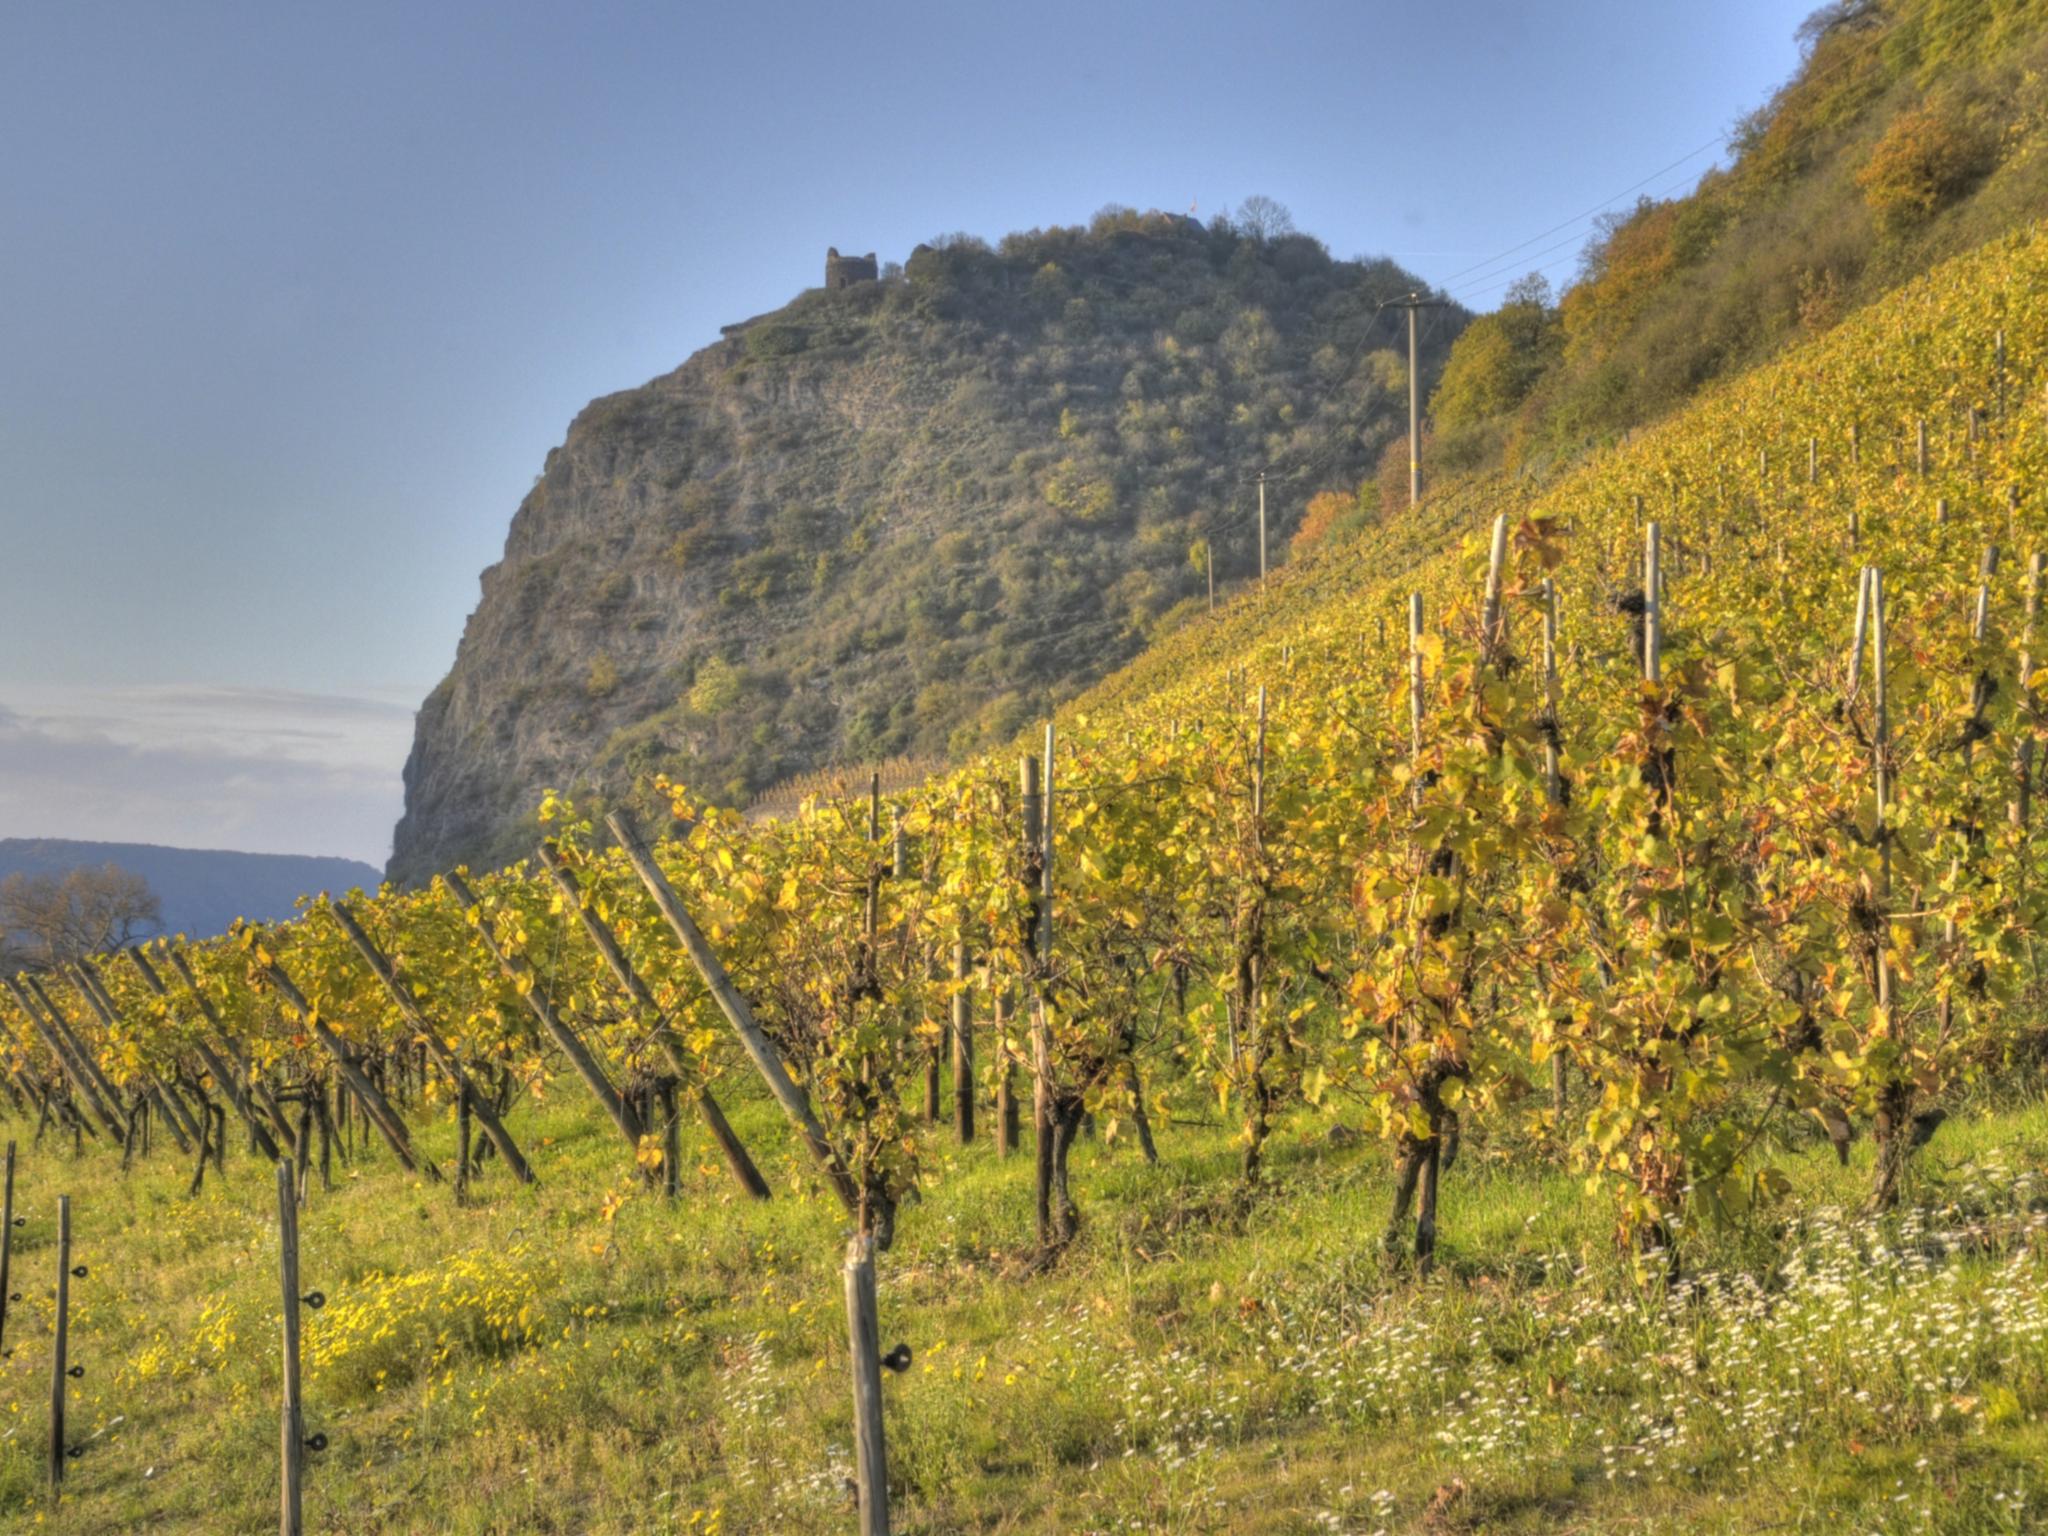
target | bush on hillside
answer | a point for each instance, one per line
(1925, 161)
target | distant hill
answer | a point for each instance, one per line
(203, 890)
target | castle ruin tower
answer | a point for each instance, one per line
(845, 271)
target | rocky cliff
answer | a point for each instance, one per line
(902, 515)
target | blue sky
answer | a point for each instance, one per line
(294, 298)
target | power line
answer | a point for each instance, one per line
(1720, 140)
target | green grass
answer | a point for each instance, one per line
(1197, 1363)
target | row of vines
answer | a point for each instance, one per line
(1678, 810)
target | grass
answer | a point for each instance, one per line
(1197, 1363)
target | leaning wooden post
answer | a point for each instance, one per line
(66, 1064)
(963, 1047)
(59, 1368)
(408, 1005)
(230, 1081)
(387, 1119)
(291, 1435)
(85, 1057)
(517, 971)
(737, 1160)
(864, 1341)
(259, 1090)
(6, 1244)
(759, 1048)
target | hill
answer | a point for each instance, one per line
(202, 890)
(1760, 898)
(903, 516)
(1914, 131)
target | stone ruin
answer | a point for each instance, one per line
(845, 271)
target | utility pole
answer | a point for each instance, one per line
(1262, 530)
(1413, 303)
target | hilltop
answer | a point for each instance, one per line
(905, 513)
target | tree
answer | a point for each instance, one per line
(48, 919)
(1263, 218)
(1499, 358)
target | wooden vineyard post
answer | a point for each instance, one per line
(734, 1151)
(1006, 1079)
(1653, 607)
(963, 1047)
(462, 1142)
(864, 1350)
(1037, 804)
(1920, 448)
(60, 1348)
(291, 1438)
(671, 1143)
(228, 1080)
(1553, 791)
(760, 1049)
(6, 1245)
(2023, 754)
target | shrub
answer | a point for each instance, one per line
(1327, 512)
(1923, 163)
(716, 689)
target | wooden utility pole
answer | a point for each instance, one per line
(1262, 530)
(1414, 304)
(1414, 409)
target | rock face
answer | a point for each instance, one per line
(899, 517)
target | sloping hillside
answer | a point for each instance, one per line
(904, 515)
(1914, 131)
(1210, 1353)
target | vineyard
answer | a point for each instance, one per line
(1539, 1006)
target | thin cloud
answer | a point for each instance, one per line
(263, 770)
